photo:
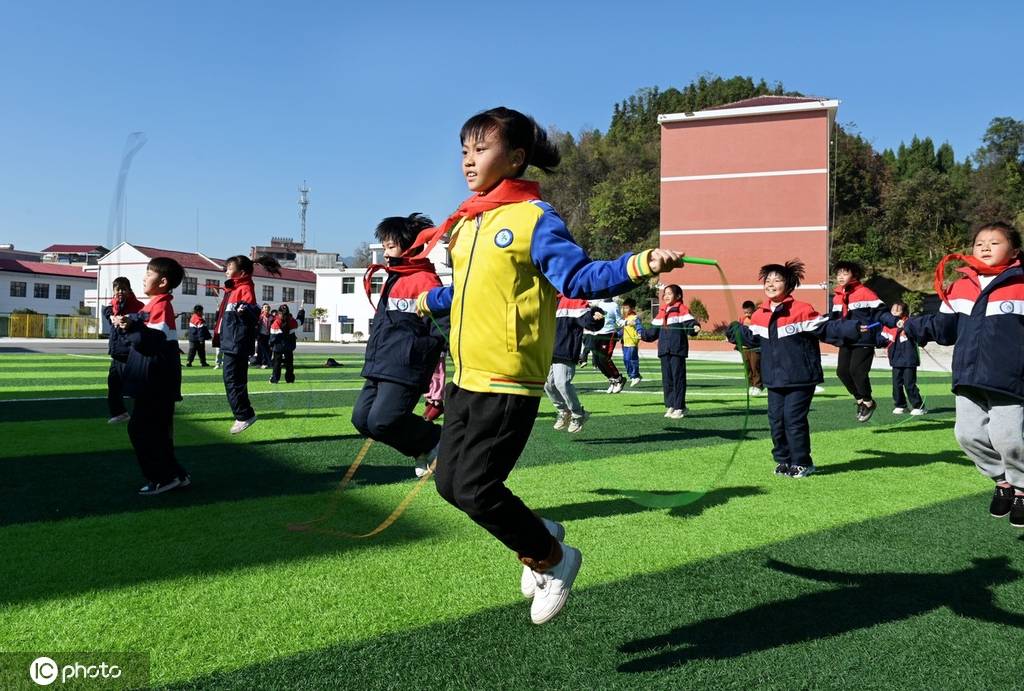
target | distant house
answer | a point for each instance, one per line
(45, 288)
(203, 277)
(80, 255)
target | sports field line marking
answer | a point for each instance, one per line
(187, 395)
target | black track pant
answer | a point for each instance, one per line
(854, 369)
(236, 384)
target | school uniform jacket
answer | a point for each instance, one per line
(987, 327)
(117, 343)
(856, 302)
(154, 363)
(197, 330)
(670, 329)
(788, 337)
(509, 264)
(900, 350)
(282, 333)
(236, 330)
(404, 347)
(572, 315)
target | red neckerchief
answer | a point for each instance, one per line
(402, 266)
(508, 191)
(980, 267)
(126, 304)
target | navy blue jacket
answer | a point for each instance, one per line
(900, 350)
(282, 332)
(987, 327)
(118, 344)
(572, 316)
(788, 337)
(153, 367)
(670, 329)
(858, 303)
(403, 347)
(235, 332)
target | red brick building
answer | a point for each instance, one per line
(748, 183)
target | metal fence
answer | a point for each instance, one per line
(47, 326)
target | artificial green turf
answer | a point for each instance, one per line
(714, 593)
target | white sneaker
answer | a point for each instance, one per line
(562, 421)
(754, 391)
(242, 425)
(676, 414)
(617, 385)
(634, 381)
(423, 461)
(918, 411)
(123, 417)
(553, 586)
(527, 583)
(819, 389)
(154, 488)
(611, 386)
(899, 410)
(576, 423)
(668, 412)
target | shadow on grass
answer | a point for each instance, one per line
(742, 619)
(863, 600)
(875, 460)
(623, 504)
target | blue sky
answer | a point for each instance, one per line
(242, 101)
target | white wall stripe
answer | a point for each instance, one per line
(739, 231)
(739, 286)
(731, 176)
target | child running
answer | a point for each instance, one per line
(511, 255)
(856, 302)
(751, 356)
(235, 334)
(904, 361)
(571, 317)
(788, 331)
(673, 347)
(630, 325)
(122, 304)
(282, 344)
(983, 315)
(404, 349)
(198, 334)
(153, 378)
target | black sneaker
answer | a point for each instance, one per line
(868, 411)
(154, 488)
(1017, 511)
(801, 470)
(1002, 499)
(782, 469)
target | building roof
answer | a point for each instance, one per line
(48, 268)
(194, 260)
(76, 249)
(758, 101)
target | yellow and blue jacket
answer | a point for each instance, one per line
(508, 266)
(630, 332)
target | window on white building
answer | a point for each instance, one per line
(188, 285)
(211, 288)
(307, 325)
(41, 290)
(348, 285)
(287, 295)
(309, 296)
(268, 293)
(63, 292)
(376, 284)
(18, 289)
(348, 325)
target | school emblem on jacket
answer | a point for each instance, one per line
(403, 305)
(1006, 307)
(504, 238)
(790, 329)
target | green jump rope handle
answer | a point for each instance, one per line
(700, 260)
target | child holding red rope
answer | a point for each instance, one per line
(982, 313)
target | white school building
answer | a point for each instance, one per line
(43, 287)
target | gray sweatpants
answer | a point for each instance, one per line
(990, 430)
(561, 391)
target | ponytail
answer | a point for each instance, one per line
(245, 265)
